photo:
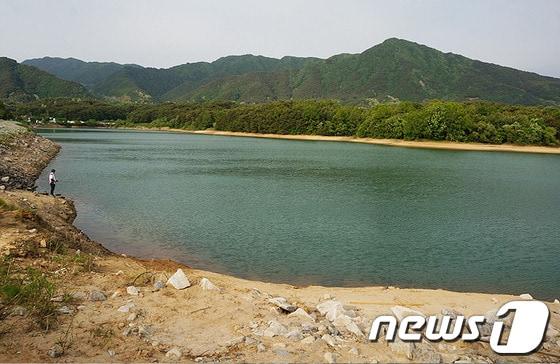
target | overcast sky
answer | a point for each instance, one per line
(163, 33)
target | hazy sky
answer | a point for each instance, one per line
(520, 34)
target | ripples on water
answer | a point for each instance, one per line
(320, 212)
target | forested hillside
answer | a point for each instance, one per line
(482, 122)
(19, 82)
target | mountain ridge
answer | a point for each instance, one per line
(394, 69)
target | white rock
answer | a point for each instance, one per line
(132, 316)
(5, 179)
(159, 285)
(133, 291)
(330, 358)
(282, 303)
(55, 351)
(126, 308)
(97, 296)
(332, 309)
(174, 353)
(115, 294)
(329, 340)
(261, 348)
(556, 301)
(249, 340)
(32, 231)
(300, 312)
(526, 296)
(179, 280)
(65, 310)
(401, 312)
(308, 340)
(353, 351)
(343, 322)
(401, 347)
(275, 328)
(207, 285)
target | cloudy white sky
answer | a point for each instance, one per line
(163, 33)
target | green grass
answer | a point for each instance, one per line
(4, 206)
(29, 288)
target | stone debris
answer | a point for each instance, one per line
(57, 299)
(235, 341)
(343, 322)
(328, 339)
(275, 328)
(261, 348)
(526, 296)
(249, 340)
(115, 294)
(5, 179)
(308, 340)
(174, 353)
(159, 285)
(556, 301)
(353, 351)
(65, 310)
(401, 312)
(283, 304)
(330, 358)
(55, 351)
(332, 309)
(280, 349)
(96, 295)
(133, 291)
(145, 330)
(294, 335)
(19, 311)
(111, 353)
(301, 313)
(206, 285)
(132, 316)
(179, 280)
(400, 347)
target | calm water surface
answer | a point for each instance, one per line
(319, 212)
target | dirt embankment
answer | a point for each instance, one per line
(23, 155)
(65, 298)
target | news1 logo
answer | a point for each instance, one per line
(526, 333)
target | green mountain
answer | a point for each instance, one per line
(19, 82)
(394, 69)
(87, 73)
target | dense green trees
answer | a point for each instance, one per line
(482, 122)
(3, 111)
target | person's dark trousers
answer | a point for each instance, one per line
(52, 188)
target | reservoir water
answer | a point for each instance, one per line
(305, 212)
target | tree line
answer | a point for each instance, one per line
(474, 121)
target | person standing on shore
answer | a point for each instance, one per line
(52, 181)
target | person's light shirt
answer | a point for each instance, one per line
(52, 178)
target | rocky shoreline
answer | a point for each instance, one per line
(23, 156)
(97, 306)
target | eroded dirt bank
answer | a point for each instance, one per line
(23, 155)
(65, 298)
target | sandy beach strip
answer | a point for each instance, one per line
(425, 144)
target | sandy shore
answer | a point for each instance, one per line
(109, 308)
(388, 142)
